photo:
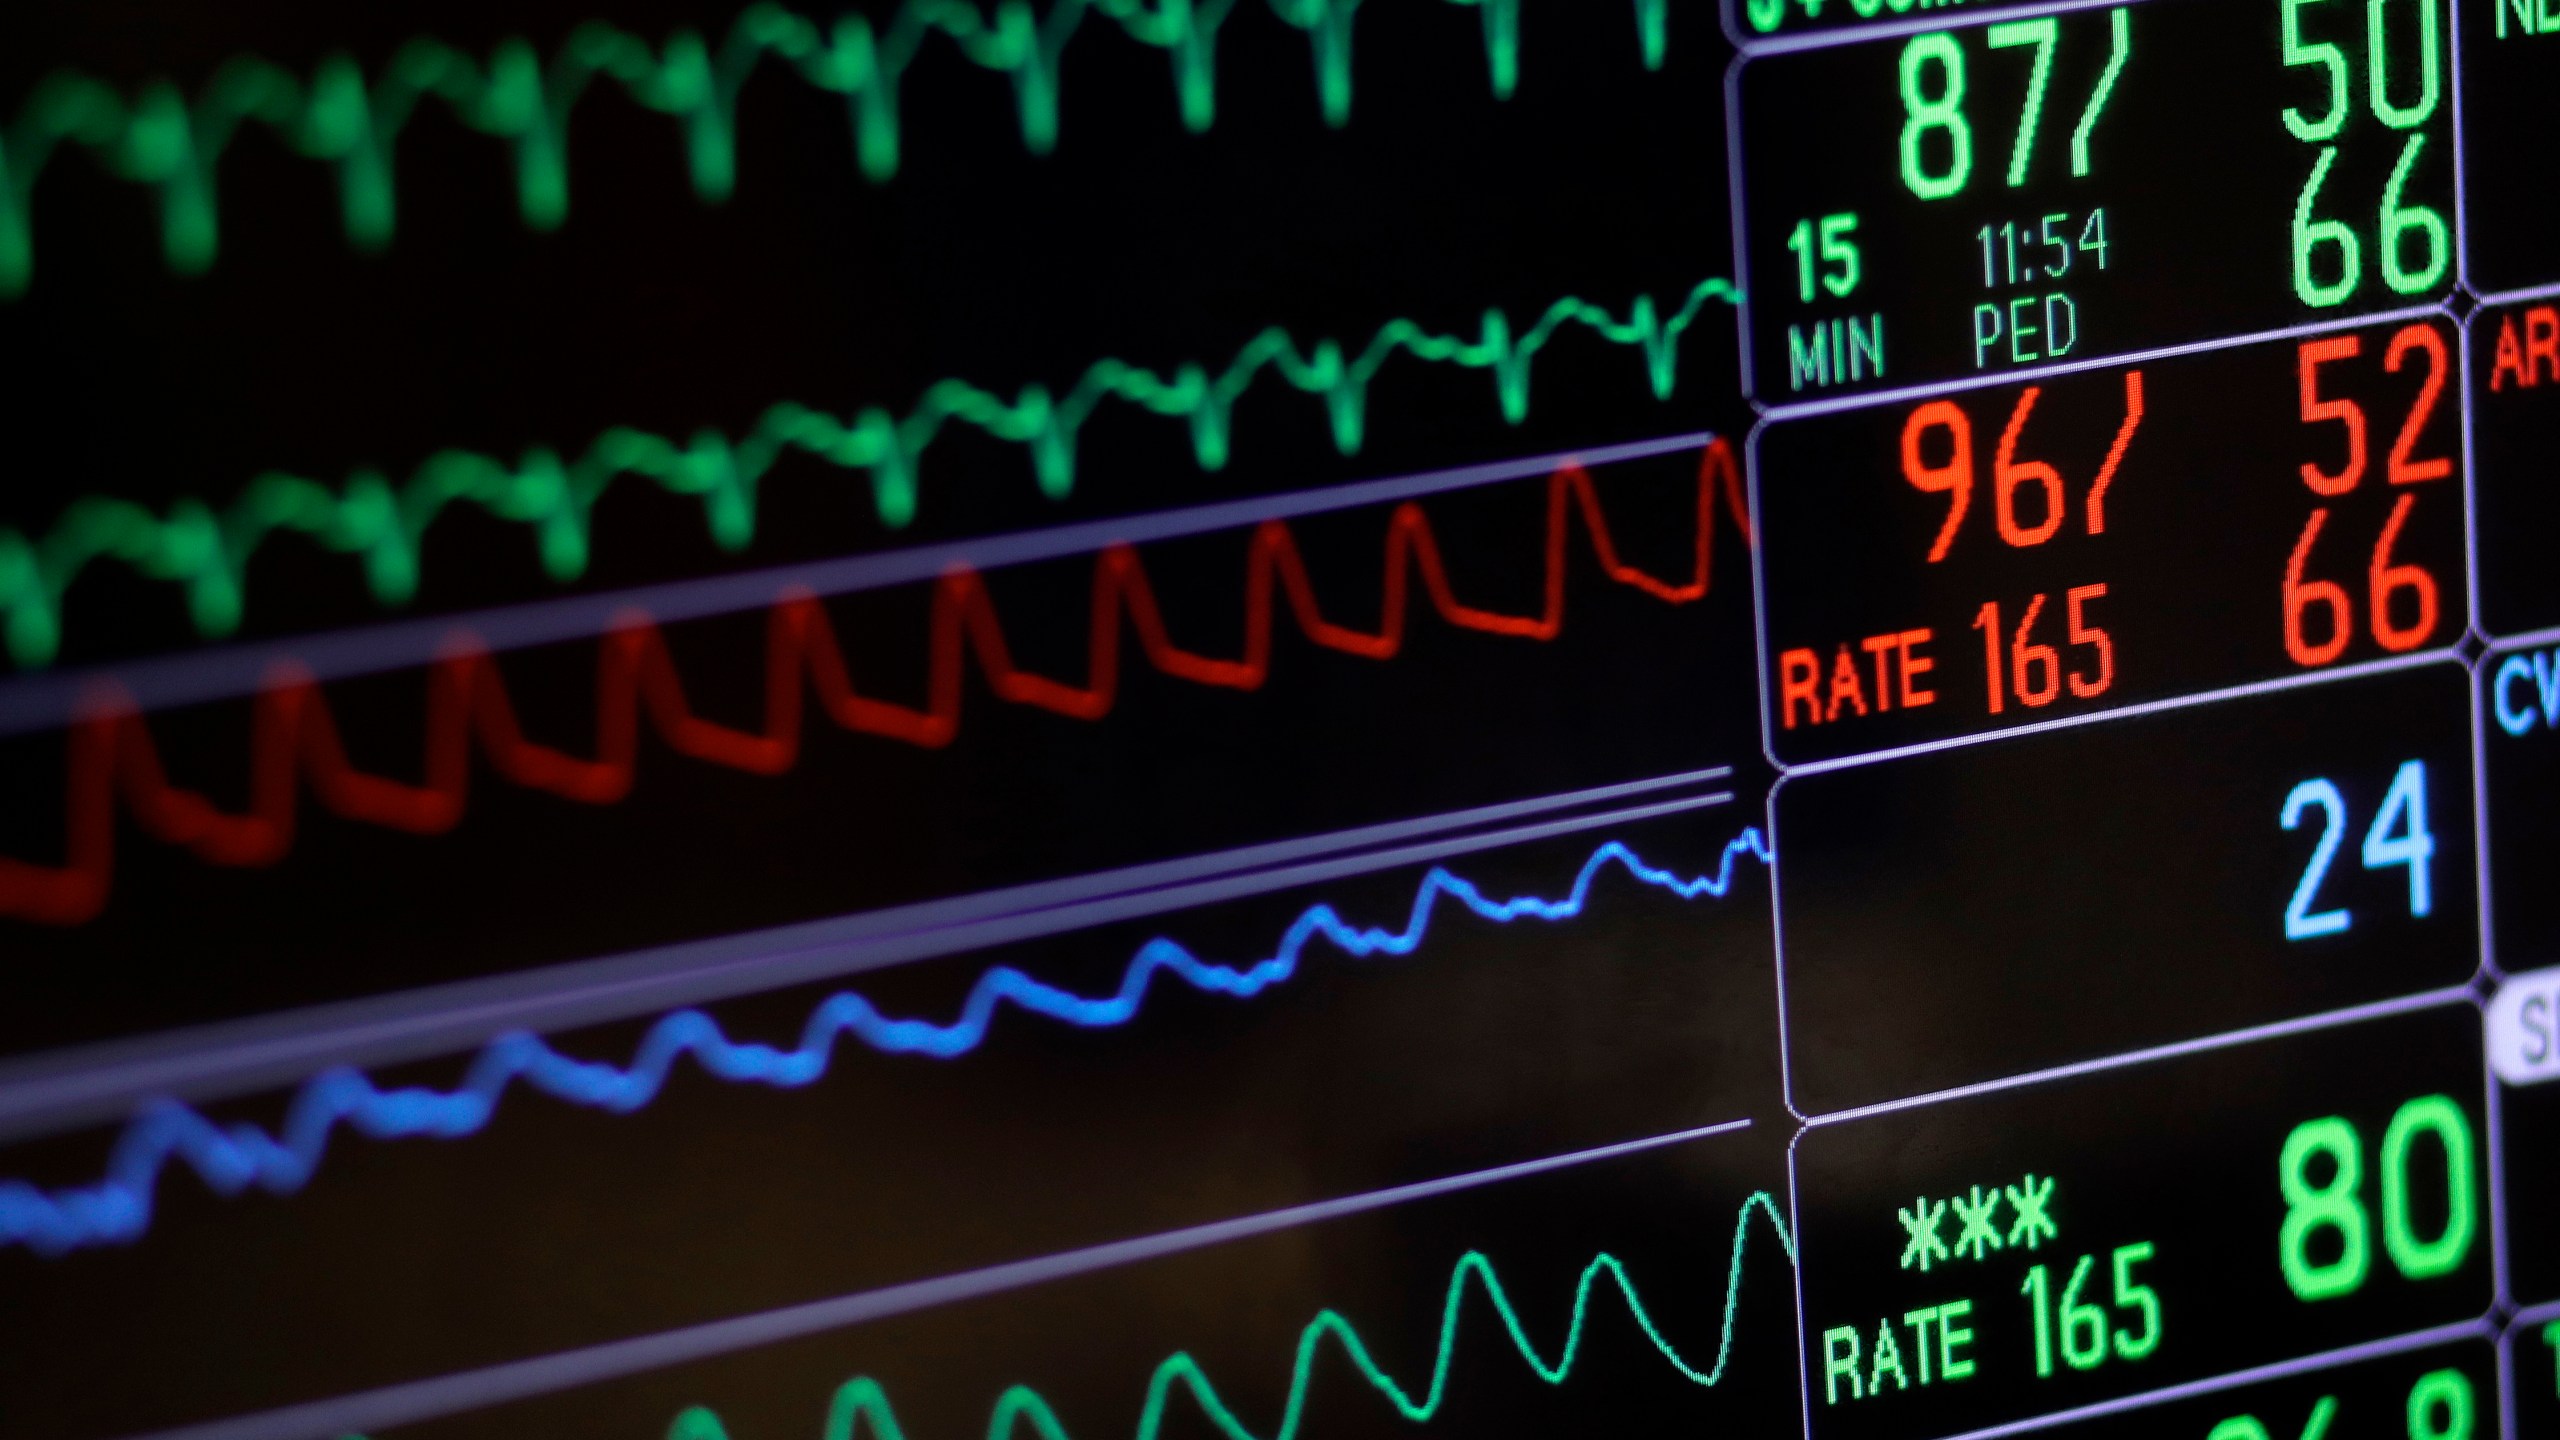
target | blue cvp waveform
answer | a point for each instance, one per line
(231, 1158)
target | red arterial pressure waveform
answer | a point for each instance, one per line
(294, 739)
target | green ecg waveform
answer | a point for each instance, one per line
(338, 116)
(862, 1402)
(207, 553)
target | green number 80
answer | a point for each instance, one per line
(2337, 1204)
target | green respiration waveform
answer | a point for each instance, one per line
(861, 1405)
(160, 138)
(206, 553)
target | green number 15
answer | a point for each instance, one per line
(1838, 249)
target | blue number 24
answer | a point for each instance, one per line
(2398, 836)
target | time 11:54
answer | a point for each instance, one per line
(2014, 254)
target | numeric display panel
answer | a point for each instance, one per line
(1992, 910)
(2025, 1252)
(2002, 195)
(2520, 754)
(2515, 426)
(2533, 1362)
(2510, 178)
(2030, 552)
(2432, 1392)
(2529, 1138)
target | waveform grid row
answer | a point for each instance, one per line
(207, 554)
(294, 738)
(119, 1207)
(863, 1401)
(159, 139)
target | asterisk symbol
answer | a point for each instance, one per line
(1980, 1237)
(2034, 1224)
(1921, 1223)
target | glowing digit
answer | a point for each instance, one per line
(1954, 478)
